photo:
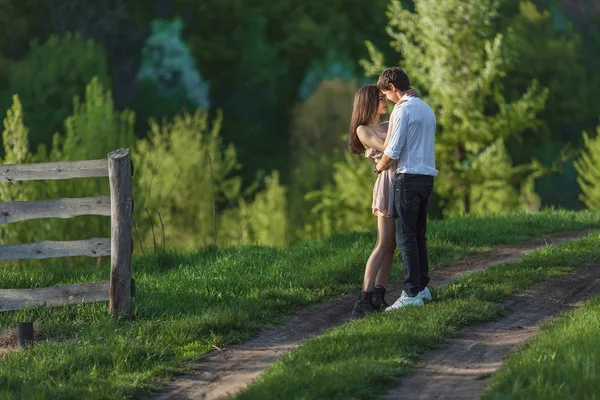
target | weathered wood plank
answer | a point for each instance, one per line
(15, 299)
(47, 249)
(61, 208)
(53, 170)
(121, 205)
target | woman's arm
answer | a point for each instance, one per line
(369, 138)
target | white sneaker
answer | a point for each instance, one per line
(404, 301)
(425, 294)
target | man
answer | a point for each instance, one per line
(410, 140)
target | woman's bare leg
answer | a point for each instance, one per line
(384, 272)
(380, 261)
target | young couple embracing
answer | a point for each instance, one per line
(404, 156)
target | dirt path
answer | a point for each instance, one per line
(458, 369)
(227, 371)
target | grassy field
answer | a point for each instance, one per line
(189, 303)
(560, 363)
(362, 359)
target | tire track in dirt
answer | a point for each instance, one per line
(228, 371)
(459, 368)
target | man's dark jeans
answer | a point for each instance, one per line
(411, 198)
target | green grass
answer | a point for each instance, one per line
(560, 363)
(189, 303)
(362, 359)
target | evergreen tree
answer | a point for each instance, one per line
(93, 130)
(16, 151)
(453, 53)
(588, 168)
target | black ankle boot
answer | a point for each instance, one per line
(379, 302)
(363, 304)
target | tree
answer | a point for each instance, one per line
(93, 130)
(16, 151)
(50, 76)
(262, 221)
(318, 137)
(453, 53)
(119, 26)
(183, 182)
(267, 214)
(588, 168)
(258, 54)
(557, 59)
(19, 24)
(168, 79)
(345, 204)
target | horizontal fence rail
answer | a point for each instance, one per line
(51, 249)
(16, 211)
(54, 170)
(15, 299)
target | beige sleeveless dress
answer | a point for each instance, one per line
(383, 191)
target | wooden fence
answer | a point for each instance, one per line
(119, 206)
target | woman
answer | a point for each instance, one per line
(367, 135)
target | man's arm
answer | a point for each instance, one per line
(396, 138)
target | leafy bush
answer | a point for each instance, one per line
(588, 168)
(50, 76)
(184, 179)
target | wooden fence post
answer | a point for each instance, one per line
(121, 203)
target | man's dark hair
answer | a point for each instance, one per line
(393, 76)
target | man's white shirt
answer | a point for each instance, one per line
(412, 140)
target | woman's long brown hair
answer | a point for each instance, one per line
(364, 110)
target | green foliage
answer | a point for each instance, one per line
(93, 130)
(15, 135)
(16, 151)
(318, 137)
(264, 221)
(95, 127)
(557, 60)
(257, 55)
(184, 179)
(553, 58)
(466, 94)
(332, 67)
(50, 76)
(588, 168)
(269, 210)
(19, 23)
(345, 204)
(168, 78)
(493, 192)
